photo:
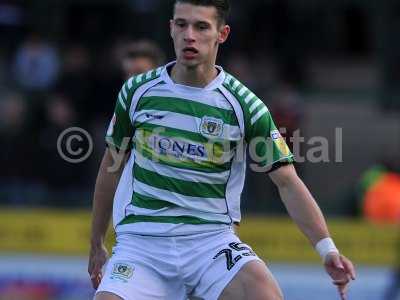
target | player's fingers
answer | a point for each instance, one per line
(95, 273)
(96, 280)
(341, 281)
(349, 267)
(343, 296)
(96, 269)
(343, 291)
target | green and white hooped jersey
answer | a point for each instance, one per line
(188, 146)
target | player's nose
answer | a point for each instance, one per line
(189, 34)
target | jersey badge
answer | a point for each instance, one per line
(211, 127)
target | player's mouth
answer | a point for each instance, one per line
(190, 52)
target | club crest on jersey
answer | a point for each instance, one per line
(211, 127)
(122, 271)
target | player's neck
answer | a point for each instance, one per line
(199, 76)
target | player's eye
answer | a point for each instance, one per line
(180, 24)
(202, 26)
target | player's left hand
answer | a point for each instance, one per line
(341, 271)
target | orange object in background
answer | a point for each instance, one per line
(382, 200)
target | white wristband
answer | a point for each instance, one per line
(325, 246)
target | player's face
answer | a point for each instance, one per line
(197, 34)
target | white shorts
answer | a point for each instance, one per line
(197, 266)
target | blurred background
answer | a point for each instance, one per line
(328, 70)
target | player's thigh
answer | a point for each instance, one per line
(106, 296)
(254, 281)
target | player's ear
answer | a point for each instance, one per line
(223, 33)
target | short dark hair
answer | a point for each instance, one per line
(145, 48)
(222, 6)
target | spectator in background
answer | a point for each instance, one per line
(75, 80)
(59, 175)
(134, 57)
(36, 64)
(140, 57)
(118, 63)
(18, 177)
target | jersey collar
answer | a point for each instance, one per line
(214, 84)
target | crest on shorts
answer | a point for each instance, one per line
(211, 127)
(122, 271)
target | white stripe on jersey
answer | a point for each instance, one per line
(228, 79)
(148, 75)
(121, 101)
(243, 91)
(139, 78)
(130, 82)
(236, 107)
(124, 92)
(255, 118)
(235, 85)
(256, 104)
(249, 97)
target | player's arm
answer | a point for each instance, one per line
(300, 203)
(304, 210)
(106, 184)
(270, 153)
(118, 139)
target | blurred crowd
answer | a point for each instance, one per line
(50, 90)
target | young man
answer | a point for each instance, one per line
(183, 128)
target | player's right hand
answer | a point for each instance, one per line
(97, 258)
(341, 270)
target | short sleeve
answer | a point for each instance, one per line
(267, 147)
(120, 130)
